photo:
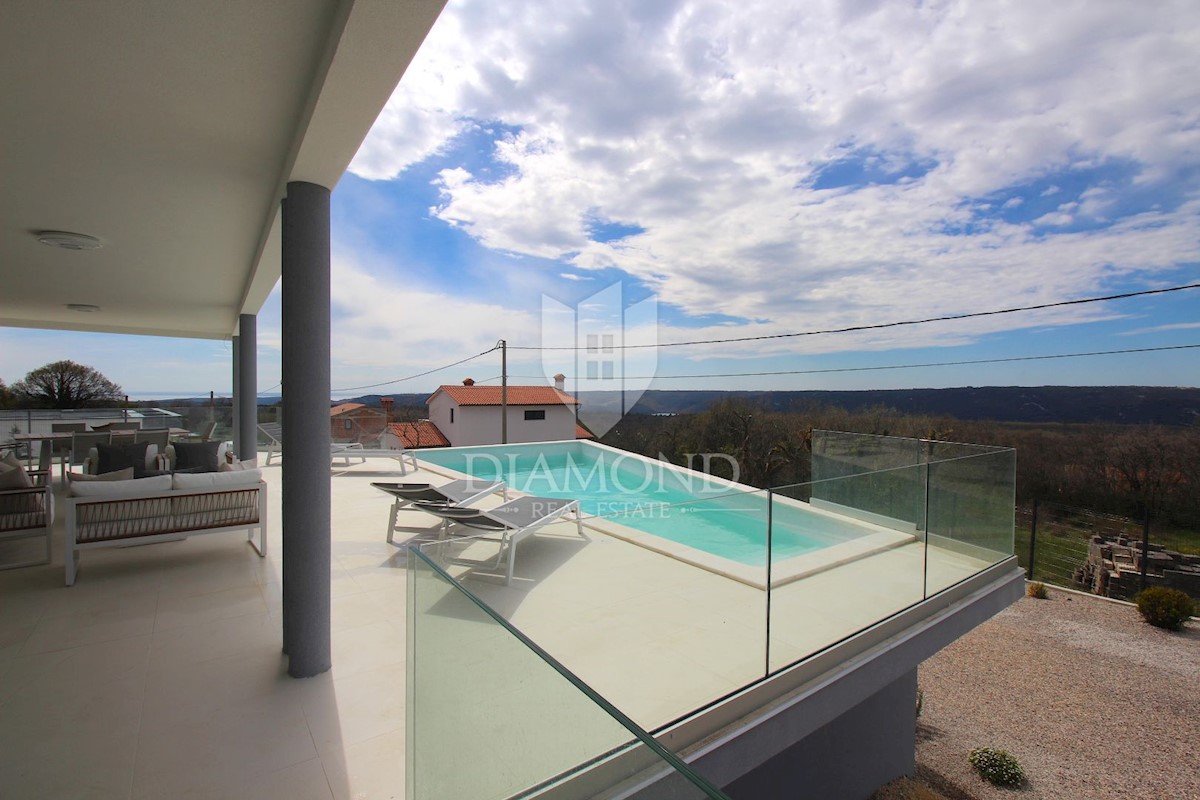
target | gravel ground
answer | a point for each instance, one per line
(1094, 702)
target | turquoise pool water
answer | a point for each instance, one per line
(681, 505)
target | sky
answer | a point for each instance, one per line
(749, 169)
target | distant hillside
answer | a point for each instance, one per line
(1121, 404)
(1041, 404)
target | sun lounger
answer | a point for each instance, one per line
(514, 521)
(462, 492)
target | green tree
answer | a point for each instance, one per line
(5, 396)
(65, 384)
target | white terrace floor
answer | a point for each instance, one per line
(159, 674)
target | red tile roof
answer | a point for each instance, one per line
(419, 434)
(517, 395)
(583, 433)
(342, 408)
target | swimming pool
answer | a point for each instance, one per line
(666, 501)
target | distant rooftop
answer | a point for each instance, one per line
(517, 395)
(422, 433)
(342, 408)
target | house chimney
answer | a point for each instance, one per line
(386, 402)
(469, 382)
(560, 382)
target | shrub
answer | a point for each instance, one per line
(1164, 608)
(1036, 589)
(997, 766)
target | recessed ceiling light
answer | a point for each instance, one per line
(69, 241)
(86, 308)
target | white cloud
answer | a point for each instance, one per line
(383, 329)
(1175, 326)
(707, 124)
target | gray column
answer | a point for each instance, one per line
(245, 387)
(306, 391)
(237, 395)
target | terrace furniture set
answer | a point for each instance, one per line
(136, 495)
(132, 494)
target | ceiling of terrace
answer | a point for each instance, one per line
(168, 131)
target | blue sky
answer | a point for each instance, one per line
(759, 168)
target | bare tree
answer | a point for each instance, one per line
(65, 384)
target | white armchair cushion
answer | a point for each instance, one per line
(13, 476)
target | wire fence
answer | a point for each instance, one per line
(1103, 553)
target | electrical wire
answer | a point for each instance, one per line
(909, 366)
(419, 374)
(881, 325)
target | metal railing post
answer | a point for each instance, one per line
(1032, 541)
(1145, 549)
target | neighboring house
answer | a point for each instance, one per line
(470, 414)
(412, 435)
(355, 422)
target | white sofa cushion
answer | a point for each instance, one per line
(215, 480)
(139, 486)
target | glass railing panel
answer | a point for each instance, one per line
(884, 492)
(660, 606)
(971, 514)
(841, 565)
(196, 418)
(491, 715)
(693, 614)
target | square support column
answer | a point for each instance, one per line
(306, 391)
(245, 387)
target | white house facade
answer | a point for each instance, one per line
(471, 415)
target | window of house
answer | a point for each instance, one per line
(348, 424)
(452, 416)
(535, 413)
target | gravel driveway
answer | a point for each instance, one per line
(1094, 702)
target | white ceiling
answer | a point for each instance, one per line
(169, 130)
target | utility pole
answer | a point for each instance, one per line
(503, 392)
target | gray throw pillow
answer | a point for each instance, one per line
(113, 457)
(190, 455)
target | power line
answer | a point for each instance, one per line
(910, 366)
(881, 325)
(419, 374)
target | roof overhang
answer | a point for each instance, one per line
(170, 131)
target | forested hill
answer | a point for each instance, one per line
(1122, 404)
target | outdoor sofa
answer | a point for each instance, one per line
(117, 509)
